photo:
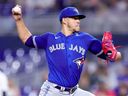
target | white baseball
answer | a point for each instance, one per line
(17, 9)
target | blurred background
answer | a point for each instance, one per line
(25, 69)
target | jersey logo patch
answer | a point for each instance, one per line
(79, 61)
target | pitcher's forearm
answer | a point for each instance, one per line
(23, 32)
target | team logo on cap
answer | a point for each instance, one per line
(79, 61)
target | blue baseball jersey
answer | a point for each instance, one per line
(65, 54)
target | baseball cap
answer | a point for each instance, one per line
(70, 12)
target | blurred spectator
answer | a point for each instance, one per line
(109, 3)
(122, 88)
(39, 7)
(123, 77)
(89, 5)
(60, 4)
(84, 81)
(13, 89)
(103, 90)
(105, 74)
(121, 5)
(4, 88)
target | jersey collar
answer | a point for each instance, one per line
(62, 35)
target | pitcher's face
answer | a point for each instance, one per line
(73, 23)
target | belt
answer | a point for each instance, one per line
(70, 90)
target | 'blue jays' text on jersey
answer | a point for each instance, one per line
(65, 54)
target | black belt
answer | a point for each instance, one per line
(70, 90)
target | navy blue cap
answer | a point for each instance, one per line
(70, 12)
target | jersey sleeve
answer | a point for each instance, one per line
(96, 48)
(39, 42)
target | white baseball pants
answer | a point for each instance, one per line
(48, 89)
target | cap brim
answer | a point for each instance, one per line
(79, 16)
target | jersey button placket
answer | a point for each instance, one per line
(68, 53)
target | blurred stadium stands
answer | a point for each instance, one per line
(27, 68)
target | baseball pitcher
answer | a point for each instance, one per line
(66, 51)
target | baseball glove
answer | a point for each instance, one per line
(108, 47)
